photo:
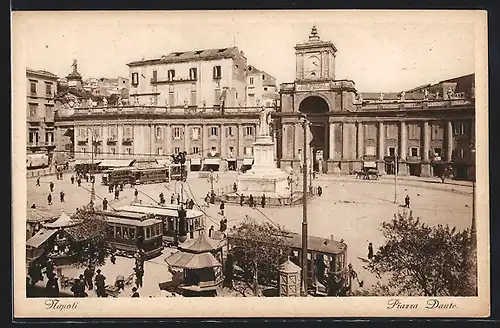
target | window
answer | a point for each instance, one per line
(33, 137)
(193, 73)
(217, 72)
(82, 133)
(217, 97)
(48, 89)
(195, 133)
(213, 131)
(392, 151)
(437, 132)
(83, 150)
(177, 150)
(370, 131)
(33, 87)
(461, 128)
(112, 132)
(171, 74)
(171, 96)
(33, 110)
(414, 151)
(251, 81)
(438, 152)
(265, 88)
(230, 132)
(193, 97)
(196, 150)
(177, 132)
(249, 131)
(148, 233)
(159, 151)
(135, 79)
(49, 111)
(414, 131)
(231, 151)
(159, 133)
(248, 151)
(370, 150)
(128, 150)
(49, 138)
(127, 132)
(155, 76)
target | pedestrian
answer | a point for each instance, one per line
(61, 196)
(235, 187)
(38, 182)
(136, 193)
(210, 231)
(250, 200)
(51, 185)
(49, 199)
(100, 284)
(178, 199)
(87, 177)
(117, 193)
(52, 287)
(212, 197)
(105, 204)
(139, 273)
(320, 191)
(110, 188)
(112, 258)
(263, 201)
(77, 287)
(407, 201)
(222, 226)
(121, 186)
(162, 199)
(135, 293)
(88, 275)
(172, 199)
(35, 273)
(79, 181)
(191, 204)
(222, 208)
(242, 199)
(72, 179)
(370, 251)
(207, 200)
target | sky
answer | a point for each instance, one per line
(379, 51)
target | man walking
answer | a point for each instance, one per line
(105, 204)
(72, 180)
(407, 201)
(88, 275)
(222, 208)
(242, 199)
(263, 201)
(210, 231)
(178, 199)
(100, 284)
(38, 182)
(51, 186)
(320, 191)
(250, 201)
(61, 196)
(117, 193)
(139, 273)
(49, 199)
(172, 199)
(370, 251)
(79, 181)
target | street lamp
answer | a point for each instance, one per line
(211, 178)
(291, 180)
(92, 177)
(396, 176)
(305, 124)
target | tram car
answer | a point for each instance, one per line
(178, 172)
(128, 232)
(195, 220)
(145, 175)
(368, 172)
(117, 176)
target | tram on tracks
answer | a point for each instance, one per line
(143, 175)
(128, 232)
(168, 214)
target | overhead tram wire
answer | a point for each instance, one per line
(134, 154)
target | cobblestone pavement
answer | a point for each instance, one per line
(349, 209)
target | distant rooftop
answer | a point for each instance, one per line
(193, 55)
(40, 72)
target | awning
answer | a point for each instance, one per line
(211, 161)
(247, 161)
(195, 161)
(64, 221)
(116, 163)
(41, 237)
(163, 161)
(192, 261)
(85, 161)
(370, 164)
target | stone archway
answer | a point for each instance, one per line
(316, 109)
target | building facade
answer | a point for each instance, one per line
(346, 130)
(261, 88)
(196, 79)
(41, 87)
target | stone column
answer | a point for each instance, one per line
(104, 141)
(381, 141)
(152, 138)
(204, 131)
(425, 155)
(346, 154)
(403, 148)
(187, 136)
(449, 141)
(222, 141)
(300, 65)
(331, 141)
(285, 142)
(361, 137)
(168, 139)
(119, 141)
(241, 150)
(296, 143)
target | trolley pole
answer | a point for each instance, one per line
(304, 213)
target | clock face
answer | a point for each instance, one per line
(313, 65)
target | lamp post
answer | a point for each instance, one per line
(395, 176)
(290, 180)
(211, 178)
(305, 270)
(92, 177)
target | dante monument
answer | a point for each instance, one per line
(264, 177)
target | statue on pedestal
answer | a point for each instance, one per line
(90, 103)
(136, 101)
(105, 102)
(426, 94)
(381, 97)
(403, 94)
(119, 102)
(264, 121)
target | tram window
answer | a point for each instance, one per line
(158, 230)
(118, 232)
(148, 233)
(111, 231)
(125, 234)
(132, 233)
(170, 226)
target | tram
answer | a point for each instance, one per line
(178, 172)
(117, 176)
(149, 175)
(195, 220)
(129, 232)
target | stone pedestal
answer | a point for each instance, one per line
(425, 170)
(264, 177)
(333, 167)
(381, 167)
(403, 169)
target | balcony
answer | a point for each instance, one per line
(34, 119)
(49, 119)
(174, 80)
(127, 141)
(111, 140)
(49, 143)
(409, 105)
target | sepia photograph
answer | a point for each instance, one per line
(160, 158)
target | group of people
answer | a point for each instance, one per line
(251, 200)
(35, 275)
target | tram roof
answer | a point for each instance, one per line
(132, 222)
(168, 210)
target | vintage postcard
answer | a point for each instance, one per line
(250, 164)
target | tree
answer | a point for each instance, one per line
(88, 242)
(259, 249)
(424, 261)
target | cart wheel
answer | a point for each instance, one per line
(373, 177)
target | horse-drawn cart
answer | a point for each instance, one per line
(368, 172)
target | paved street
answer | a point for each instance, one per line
(349, 209)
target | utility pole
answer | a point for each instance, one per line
(304, 213)
(395, 176)
(92, 177)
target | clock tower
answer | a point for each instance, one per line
(315, 59)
